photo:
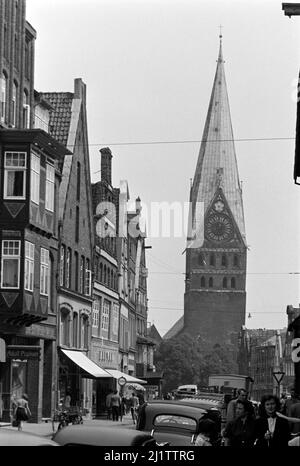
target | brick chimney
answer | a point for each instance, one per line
(106, 157)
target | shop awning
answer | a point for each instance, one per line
(86, 364)
(129, 378)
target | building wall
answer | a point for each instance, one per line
(17, 62)
(217, 315)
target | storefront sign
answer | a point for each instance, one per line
(23, 352)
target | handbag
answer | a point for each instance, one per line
(15, 423)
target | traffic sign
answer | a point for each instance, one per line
(122, 381)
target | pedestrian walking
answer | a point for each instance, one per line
(231, 408)
(67, 401)
(22, 411)
(270, 429)
(241, 431)
(134, 404)
(289, 402)
(115, 404)
(108, 404)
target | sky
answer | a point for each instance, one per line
(149, 67)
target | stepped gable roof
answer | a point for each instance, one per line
(60, 116)
(217, 165)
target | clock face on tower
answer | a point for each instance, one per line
(218, 228)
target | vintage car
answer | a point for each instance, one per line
(215, 409)
(9, 437)
(84, 435)
(170, 421)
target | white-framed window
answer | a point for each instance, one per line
(14, 175)
(105, 318)
(44, 274)
(14, 104)
(26, 111)
(10, 264)
(3, 97)
(50, 178)
(29, 266)
(96, 312)
(84, 331)
(88, 282)
(35, 179)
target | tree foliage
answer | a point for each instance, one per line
(189, 360)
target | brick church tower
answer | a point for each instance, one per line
(215, 296)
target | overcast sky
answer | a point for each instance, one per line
(149, 68)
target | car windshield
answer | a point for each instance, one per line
(170, 420)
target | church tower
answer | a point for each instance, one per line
(215, 296)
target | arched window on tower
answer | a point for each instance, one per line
(224, 261)
(201, 260)
(225, 282)
(212, 260)
(202, 282)
(236, 262)
(233, 285)
(211, 282)
(101, 272)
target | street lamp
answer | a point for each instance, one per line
(278, 376)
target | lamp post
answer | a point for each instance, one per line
(278, 376)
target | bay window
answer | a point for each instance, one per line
(35, 179)
(44, 272)
(10, 264)
(29, 266)
(14, 175)
(50, 178)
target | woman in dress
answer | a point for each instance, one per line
(22, 410)
(271, 430)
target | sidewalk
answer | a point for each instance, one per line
(45, 428)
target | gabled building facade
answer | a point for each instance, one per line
(68, 124)
(17, 45)
(106, 308)
(29, 187)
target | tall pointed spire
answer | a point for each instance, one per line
(217, 164)
(220, 57)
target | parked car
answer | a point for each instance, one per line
(170, 421)
(9, 437)
(83, 435)
(215, 409)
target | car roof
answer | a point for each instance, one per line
(100, 435)
(203, 403)
(9, 437)
(173, 406)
